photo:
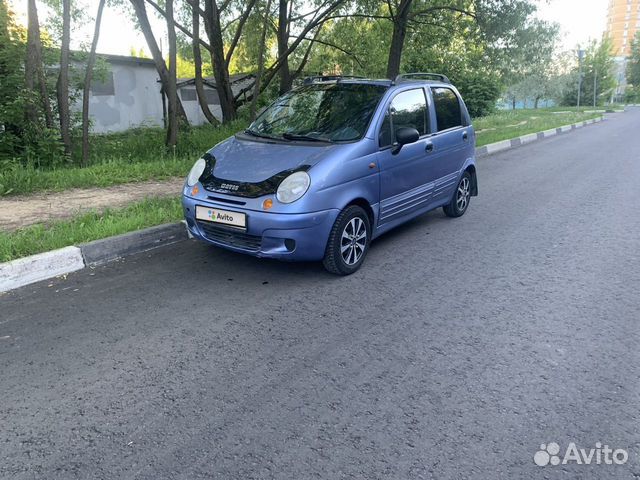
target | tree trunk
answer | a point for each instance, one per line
(172, 90)
(62, 88)
(197, 60)
(513, 103)
(256, 85)
(400, 20)
(87, 85)
(535, 102)
(161, 67)
(220, 68)
(283, 46)
(34, 69)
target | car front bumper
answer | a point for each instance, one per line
(285, 236)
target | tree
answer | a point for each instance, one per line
(34, 71)
(12, 105)
(161, 67)
(598, 79)
(197, 61)
(62, 87)
(633, 62)
(219, 61)
(528, 62)
(261, 51)
(87, 85)
(172, 89)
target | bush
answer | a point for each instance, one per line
(632, 95)
(480, 92)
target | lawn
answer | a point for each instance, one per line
(87, 227)
(140, 154)
(508, 124)
(133, 156)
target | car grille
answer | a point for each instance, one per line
(231, 237)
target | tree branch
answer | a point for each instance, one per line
(180, 27)
(332, 45)
(238, 34)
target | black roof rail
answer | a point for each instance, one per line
(329, 78)
(420, 75)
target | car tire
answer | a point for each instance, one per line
(461, 198)
(348, 242)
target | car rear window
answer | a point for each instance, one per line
(447, 105)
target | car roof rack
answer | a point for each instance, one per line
(407, 77)
(329, 78)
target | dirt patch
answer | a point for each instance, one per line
(21, 211)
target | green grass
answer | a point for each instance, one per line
(134, 156)
(514, 123)
(139, 154)
(87, 227)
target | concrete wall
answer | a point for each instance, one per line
(130, 97)
(192, 107)
(134, 101)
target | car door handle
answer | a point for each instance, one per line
(429, 147)
(465, 136)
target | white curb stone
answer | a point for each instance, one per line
(24, 271)
(498, 146)
(532, 137)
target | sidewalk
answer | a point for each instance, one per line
(24, 210)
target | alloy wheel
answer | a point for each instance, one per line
(353, 241)
(463, 193)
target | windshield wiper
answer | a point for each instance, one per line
(294, 136)
(253, 133)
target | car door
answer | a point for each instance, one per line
(451, 140)
(405, 179)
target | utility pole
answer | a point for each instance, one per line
(580, 55)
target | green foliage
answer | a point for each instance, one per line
(87, 227)
(597, 65)
(480, 92)
(633, 64)
(12, 95)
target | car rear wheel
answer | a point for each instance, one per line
(461, 198)
(348, 241)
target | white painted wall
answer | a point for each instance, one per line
(137, 100)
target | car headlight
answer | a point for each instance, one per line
(293, 187)
(196, 171)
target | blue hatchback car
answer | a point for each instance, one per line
(333, 164)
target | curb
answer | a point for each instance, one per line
(24, 271)
(108, 249)
(532, 137)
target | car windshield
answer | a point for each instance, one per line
(323, 112)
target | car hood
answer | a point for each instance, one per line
(254, 167)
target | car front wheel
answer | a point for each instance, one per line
(461, 198)
(348, 241)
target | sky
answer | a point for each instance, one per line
(580, 20)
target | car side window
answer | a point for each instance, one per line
(407, 109)
(447, 105)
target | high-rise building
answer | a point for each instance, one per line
(623, 21)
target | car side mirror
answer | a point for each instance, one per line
(405, 136)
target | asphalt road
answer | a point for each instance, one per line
(459, 348)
